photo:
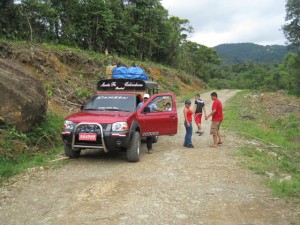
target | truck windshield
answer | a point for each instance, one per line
(111, 103)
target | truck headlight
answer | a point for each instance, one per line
(68, 125)
(120, 126)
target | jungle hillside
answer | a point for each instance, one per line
(144, 31)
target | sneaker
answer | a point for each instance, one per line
(184, 145)
(150, 151)
(190, 146)
(197, 132)
(200, 133)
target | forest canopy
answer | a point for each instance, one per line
(140, 29)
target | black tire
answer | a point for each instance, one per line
(155, 139)
(133, 151)
(70, 153)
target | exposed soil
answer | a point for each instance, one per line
(174, 185)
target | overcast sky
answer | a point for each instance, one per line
(232, 21)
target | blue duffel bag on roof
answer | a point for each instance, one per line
(133, 72)
(137, 73)
(120, 72)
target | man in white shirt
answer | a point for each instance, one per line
(153, 108)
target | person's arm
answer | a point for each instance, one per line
(185, 117)
(206, 117)
(214, 109)
(204, 110)
(156, 109)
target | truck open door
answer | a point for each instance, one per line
(161, 121)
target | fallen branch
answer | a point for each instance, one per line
(272, 145)
(65, 100)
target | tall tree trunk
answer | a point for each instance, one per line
(30, 36)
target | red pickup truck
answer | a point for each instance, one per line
(110, 121)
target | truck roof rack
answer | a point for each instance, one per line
(149, 86)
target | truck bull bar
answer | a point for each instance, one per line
(103, 146)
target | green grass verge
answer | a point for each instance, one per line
(278, 155)
(20, 151)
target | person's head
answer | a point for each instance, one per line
(146, 97)
(214, 95)
(168, 105)
(119, 64)
(187, 103)
(197, 96)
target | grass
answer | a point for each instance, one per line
(277, 157)
(25, 161)
(20, 151)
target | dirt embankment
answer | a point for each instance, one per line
(70, 76)
(23, 100)
(174, 185)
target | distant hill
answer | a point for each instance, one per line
(248, 52)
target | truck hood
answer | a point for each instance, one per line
(99, 116)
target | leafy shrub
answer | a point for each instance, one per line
(83, 93)
(19, 151)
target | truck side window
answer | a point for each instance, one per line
(159, 104)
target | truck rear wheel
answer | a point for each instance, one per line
(133, 151)
(70, 153)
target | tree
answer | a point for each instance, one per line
(292, 28)
(292, 33)
(292, 77)
(12, 25)
(198, 60)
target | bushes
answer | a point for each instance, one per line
(19, 151)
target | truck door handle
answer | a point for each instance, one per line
(173, 117)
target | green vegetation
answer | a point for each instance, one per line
(144, 31)
(274, 151)
(83, 93)
(138, 30)
(262, 77)
(241, 53)
(20, 151)
(292, 27)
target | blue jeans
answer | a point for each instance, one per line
(188, 134)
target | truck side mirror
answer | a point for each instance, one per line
(147, 109)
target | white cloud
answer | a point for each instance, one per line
(232, 21)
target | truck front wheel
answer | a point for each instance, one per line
(70, 153)
(133, 151)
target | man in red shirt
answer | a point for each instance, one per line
(217, 118)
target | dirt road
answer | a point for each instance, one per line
(174, 185)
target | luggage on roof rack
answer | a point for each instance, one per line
(133, 72)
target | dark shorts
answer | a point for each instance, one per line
(215, 127)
